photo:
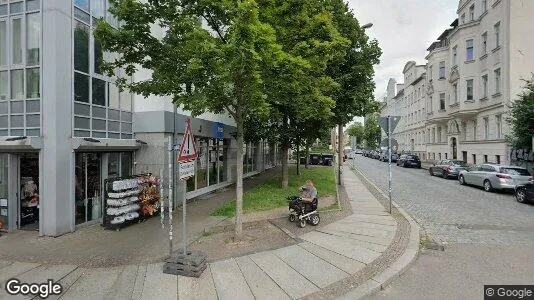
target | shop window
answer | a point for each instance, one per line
(222, 156)
(202, 163)
(87, 187)
(213, 177)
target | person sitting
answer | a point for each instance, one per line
(308, 192)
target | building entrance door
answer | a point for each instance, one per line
(87, 187)
(28, 191)
(454, 148)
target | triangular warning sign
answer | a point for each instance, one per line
(188, 149)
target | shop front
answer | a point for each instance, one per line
(19, 191)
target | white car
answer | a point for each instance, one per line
(495, 177)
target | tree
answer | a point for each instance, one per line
(372, 131)
(305, 30)
(353, 71)
(521, 118)
(217, 67)
(356, 130)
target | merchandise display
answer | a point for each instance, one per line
(130, 199)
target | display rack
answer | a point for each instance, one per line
(129, 200)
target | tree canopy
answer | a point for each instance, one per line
(521, 118)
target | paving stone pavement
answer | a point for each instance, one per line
(325, 256)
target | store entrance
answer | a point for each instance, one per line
(29, 191)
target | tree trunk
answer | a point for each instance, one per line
(285, 167)
(307, 157)
(298, 158)
(239, 176)
(340, 152)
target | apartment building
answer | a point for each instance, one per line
(475, 68)
(408, 102)
(65, 127)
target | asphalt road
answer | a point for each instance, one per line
(488, 237)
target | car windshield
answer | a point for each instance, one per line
(460, 163)
(515, 171)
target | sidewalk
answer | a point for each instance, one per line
(324, 257)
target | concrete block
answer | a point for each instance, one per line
(139, 282)
(261, 285)
(366, 288)
(293, 283)
(315, 269)
(15, 270)
(67, 281)
(124, 285)
(229, 281)
(93, 284)
(356, 240)
(344, 263)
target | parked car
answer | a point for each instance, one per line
(376, 154)
(524, 193)
(359, 151)
(314, 159)
(384, 156)
(447, 168)
(327, 159)
(409, 160)
(495, 177)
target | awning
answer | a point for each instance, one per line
(93, 144)
(20, 143)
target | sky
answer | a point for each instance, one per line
(404, 30)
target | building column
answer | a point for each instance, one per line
(56, 107)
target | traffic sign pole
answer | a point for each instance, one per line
(389, 159)
(171, 187)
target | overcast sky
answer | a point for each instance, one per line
(404, 30)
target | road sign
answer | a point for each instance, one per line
(187, 169)
(188, 150)
(384, 123)
(394, 144)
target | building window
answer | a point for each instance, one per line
(4, 87)
(442, 70)
(497, 74)
(469, 50)
(485, 158)
(17, 84)
(454, 93)
(442, 101)
(474, 158)
(462, 18)
(486, 128)
(469, 91)
(474, 130)
(3, 43)
(454, 55)
(498, 121)
(498, 159)
(439, 134)
(33, 29)
(429, 71)
(484, 43)
(472, 13)
(81, 47)
(497, 29)
(484, 6)
(484, 86)
(430, 109)
(16, 41)
(81, 87)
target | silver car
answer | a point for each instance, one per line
(494, 177)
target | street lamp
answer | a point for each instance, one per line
(368, 25)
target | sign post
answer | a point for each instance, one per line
(389, 124)
(186, 263)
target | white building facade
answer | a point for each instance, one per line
(473, 71)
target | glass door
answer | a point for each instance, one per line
(88, 186)
(4, 192)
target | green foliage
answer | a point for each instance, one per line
(521, 118)
(372, 131)
(269, 195)
(357, 130)
(353, 71)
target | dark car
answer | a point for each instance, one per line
(524, 193)
(327, 159)
(409, 160)
(447, 168)
(384, 156)
(315, 159)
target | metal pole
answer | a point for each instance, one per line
(170, 194)
(184, 225)
(389, 159)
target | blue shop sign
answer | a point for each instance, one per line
(218, 130)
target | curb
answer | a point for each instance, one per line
(383, 279)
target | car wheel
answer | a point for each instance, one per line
(430, 171)
(461, 179)
(404, 165)
(487, 186)
(444, 175)
(292, 218)
(302, 223)
(521, 195)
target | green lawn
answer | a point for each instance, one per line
(269, 195)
